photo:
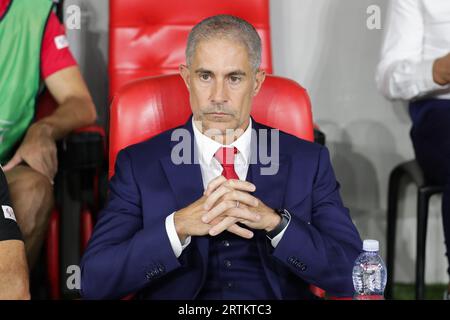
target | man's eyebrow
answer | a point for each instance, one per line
(232, 73)
(201, 70)
(236, 73)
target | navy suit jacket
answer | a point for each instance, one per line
(130, 251)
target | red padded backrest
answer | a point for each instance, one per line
(147, 107)
(148, 37)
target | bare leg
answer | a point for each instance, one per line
(32, 200)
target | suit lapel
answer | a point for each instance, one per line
(187, 186)
(270, 190)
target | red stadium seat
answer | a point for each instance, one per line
(147, 107)
(80, 156)
(148, 37)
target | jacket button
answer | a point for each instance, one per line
(227, 263)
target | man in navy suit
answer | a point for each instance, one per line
(211, 221)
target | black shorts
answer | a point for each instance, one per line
(9, 230)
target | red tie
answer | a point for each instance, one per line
(225, 156)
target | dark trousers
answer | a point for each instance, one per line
(430, 135)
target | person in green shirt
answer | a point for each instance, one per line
(34, 51)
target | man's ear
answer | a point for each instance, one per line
(259, 80)
(185, 74)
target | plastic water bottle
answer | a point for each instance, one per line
(369, 273)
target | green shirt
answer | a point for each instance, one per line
(21, 32)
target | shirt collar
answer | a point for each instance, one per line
(207, 147)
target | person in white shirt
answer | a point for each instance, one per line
(415, 66)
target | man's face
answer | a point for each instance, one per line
(222, 84)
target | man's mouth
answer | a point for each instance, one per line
(218, 114)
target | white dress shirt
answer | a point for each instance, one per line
(211, 168)
(417, 33)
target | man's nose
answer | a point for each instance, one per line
(219, 92)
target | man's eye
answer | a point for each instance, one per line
(235, 79)
(205, 77)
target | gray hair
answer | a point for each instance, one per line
(226, 26)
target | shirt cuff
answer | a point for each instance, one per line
(175, 242)
(279, 236)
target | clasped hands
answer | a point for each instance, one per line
(224, 204)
